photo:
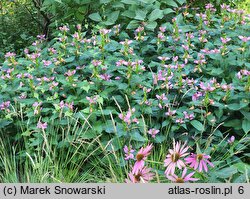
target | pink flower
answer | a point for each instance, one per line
(188, 116)
(196, 96)
(41, 37)
(173, 159)
(79, 26)
(128, 152)
(175, 59)
(70, 73)
(5, 105)
(41, 125)
(10, 54)
(231, 140)
(92, 100)
(76, 35)
(199, 161)
(207, 87)
(105, 77)
(161, 36)
(153, 132)
(225, 40)
(244, 39)
(144, 175)
(139, 29)
(186, 47)
(104, 31)
(52, 50)
(163, 58)
(126, 42)
(190, 35)
(96, 62)
(127, 118)
(46, 63)
(161, 97)
(170, 113)
(64, 28)
(26, 50)
(183, 178)
(224, 6)
(140, 158)
(162, 29)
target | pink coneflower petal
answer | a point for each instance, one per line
(167, 162)
(210, 163)
(204, 165)
(184, 172)
(183, 178)
(143, 175)
(199, 161)
(200, 166)
(140, 158)
(172, 178)
(178, 164)
(173, 159)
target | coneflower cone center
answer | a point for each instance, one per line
(175, 157)
(199, 157)
(139, 157)
(138, 177)
(179, 180)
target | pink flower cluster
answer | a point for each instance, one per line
(127, 117)
(5, 105)
(70, 106)
(175, 158)
(242, 73)
(140, 173)
(41, 125)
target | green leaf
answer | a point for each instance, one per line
(240, 179)
(167, 11)
(237, 106)
(242, 167)
(216, 71)
(147, 1)
(135, 135)
(112, 46)
(236, 123)
(155, 14)
(133, 24)
(246, 114)
(112, 17)
(70, 59)
(89, 134)
(170, 3)
(159, 139)
(26, 133)
(130, 2)
(181, 1)
(84, 85)
(129, 14)
(109, 127)
(114, 144)
(4, 123)
(246, 125)
(105, 1)
(151, 25)
(95, 17)
(198, 125)
(226, 172)
(79, 16)
(140, 14)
